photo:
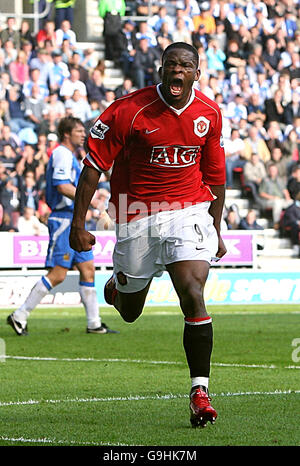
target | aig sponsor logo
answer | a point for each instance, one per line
(174, 156)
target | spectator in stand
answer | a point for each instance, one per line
(146, 31)
(8, 137)
(237, 17)
(274, 135)
(9, 158)
(126, 44)
(283, 84)
(256, 109)
(293, 184)
(206, 18)
(10, 33)
(78, 107)
(292, 109)
(28, 161)
(272, 58)
(262, 86)
(290, 23)
(44, 62)
(250, 221)
(55, 104)
(236, 110)
(215, 56)
(144, 65)
(65, 33)
(232, 219)
(71, 84)
(220, 35)
(280, 162)
(48, 33)
(291, 224)
(294, 68)
(146, 8)
(50, 122)
(64, 11)
(6, 223)
(156, 21)
(200, 38)
(254, 172)
(188, 21)
(234, 149)
(274, 194)
(234, 57)
(112, 12)
(75, 62)
(16, 111)
(165, 33)
(25, 34)
(35, 107)
(35, 80)
(67, 51)
(58, 72)
(29, 196)
(254, 143)
(125, 88)
(95, 86)
(29, 224)
(274, 108)
(19, 69)
(10, 52)
(290, 149)
(286, 55)
(52, 143)
(27, 48)
(109, 98)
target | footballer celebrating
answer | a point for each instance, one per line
(164, 143)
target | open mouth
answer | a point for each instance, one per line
(176, 87)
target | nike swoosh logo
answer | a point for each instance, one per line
(152, 131)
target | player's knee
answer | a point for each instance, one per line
(191, 297)
(128, 315)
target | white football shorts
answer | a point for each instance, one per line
(145, 246)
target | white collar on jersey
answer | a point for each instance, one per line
(176, 110)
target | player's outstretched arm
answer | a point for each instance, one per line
(80, 239)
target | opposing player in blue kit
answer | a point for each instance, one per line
(63, 171)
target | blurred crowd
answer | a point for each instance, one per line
(250, 65)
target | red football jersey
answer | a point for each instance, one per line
(162, 158)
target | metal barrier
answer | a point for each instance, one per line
(36, 16)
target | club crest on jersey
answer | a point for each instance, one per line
(98, 130)
(201, 126)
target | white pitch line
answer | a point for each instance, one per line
(168, 396)
(61, 442)
(143, 361)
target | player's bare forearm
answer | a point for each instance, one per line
(80, 239)
(216, 211)
(67, 189)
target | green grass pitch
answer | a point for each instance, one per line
(63, 387)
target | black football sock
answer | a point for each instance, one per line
(198, 343)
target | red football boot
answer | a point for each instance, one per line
(201, 409)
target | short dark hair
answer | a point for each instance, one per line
(181, 45)
(66, 125)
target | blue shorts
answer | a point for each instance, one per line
(59, 250)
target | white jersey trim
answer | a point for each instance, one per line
(176, 110)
